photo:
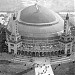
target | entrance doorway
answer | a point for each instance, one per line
(33, 54)
(37, 54)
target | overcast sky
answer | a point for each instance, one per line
(56, 5)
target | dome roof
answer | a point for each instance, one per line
(42, 24)
(37, 14)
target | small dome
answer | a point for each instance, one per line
(37, 14)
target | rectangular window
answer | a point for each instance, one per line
(12, 51)
(18, 38)
(64, 30)
(12, 44)
(68, 38)
(68, 51)
(62, 38)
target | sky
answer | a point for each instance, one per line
(56, 5)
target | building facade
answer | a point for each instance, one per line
(38, 31)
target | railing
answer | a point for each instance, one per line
(15, 41)
(34, 38)
(65, 41)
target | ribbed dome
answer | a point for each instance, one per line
(41, 24)
(37, 14)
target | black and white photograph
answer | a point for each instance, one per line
(37, 37)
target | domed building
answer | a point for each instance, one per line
(34, 31)
(39, 22)
(39, 32)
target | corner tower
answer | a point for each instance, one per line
(66, 40)
(14, 41)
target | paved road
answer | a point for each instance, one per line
(53, 62)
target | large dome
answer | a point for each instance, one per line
(38, 21)
(37, 14)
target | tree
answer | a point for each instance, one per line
(2, 38)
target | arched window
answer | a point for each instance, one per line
(18, 52)
(33, 54)
(55, 53)
(37, 54)
(59, 52)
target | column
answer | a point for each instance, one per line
(15, 49)
(66, 49)
(44, 53)
(41, 54)
(9, 49)
(71, 47)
